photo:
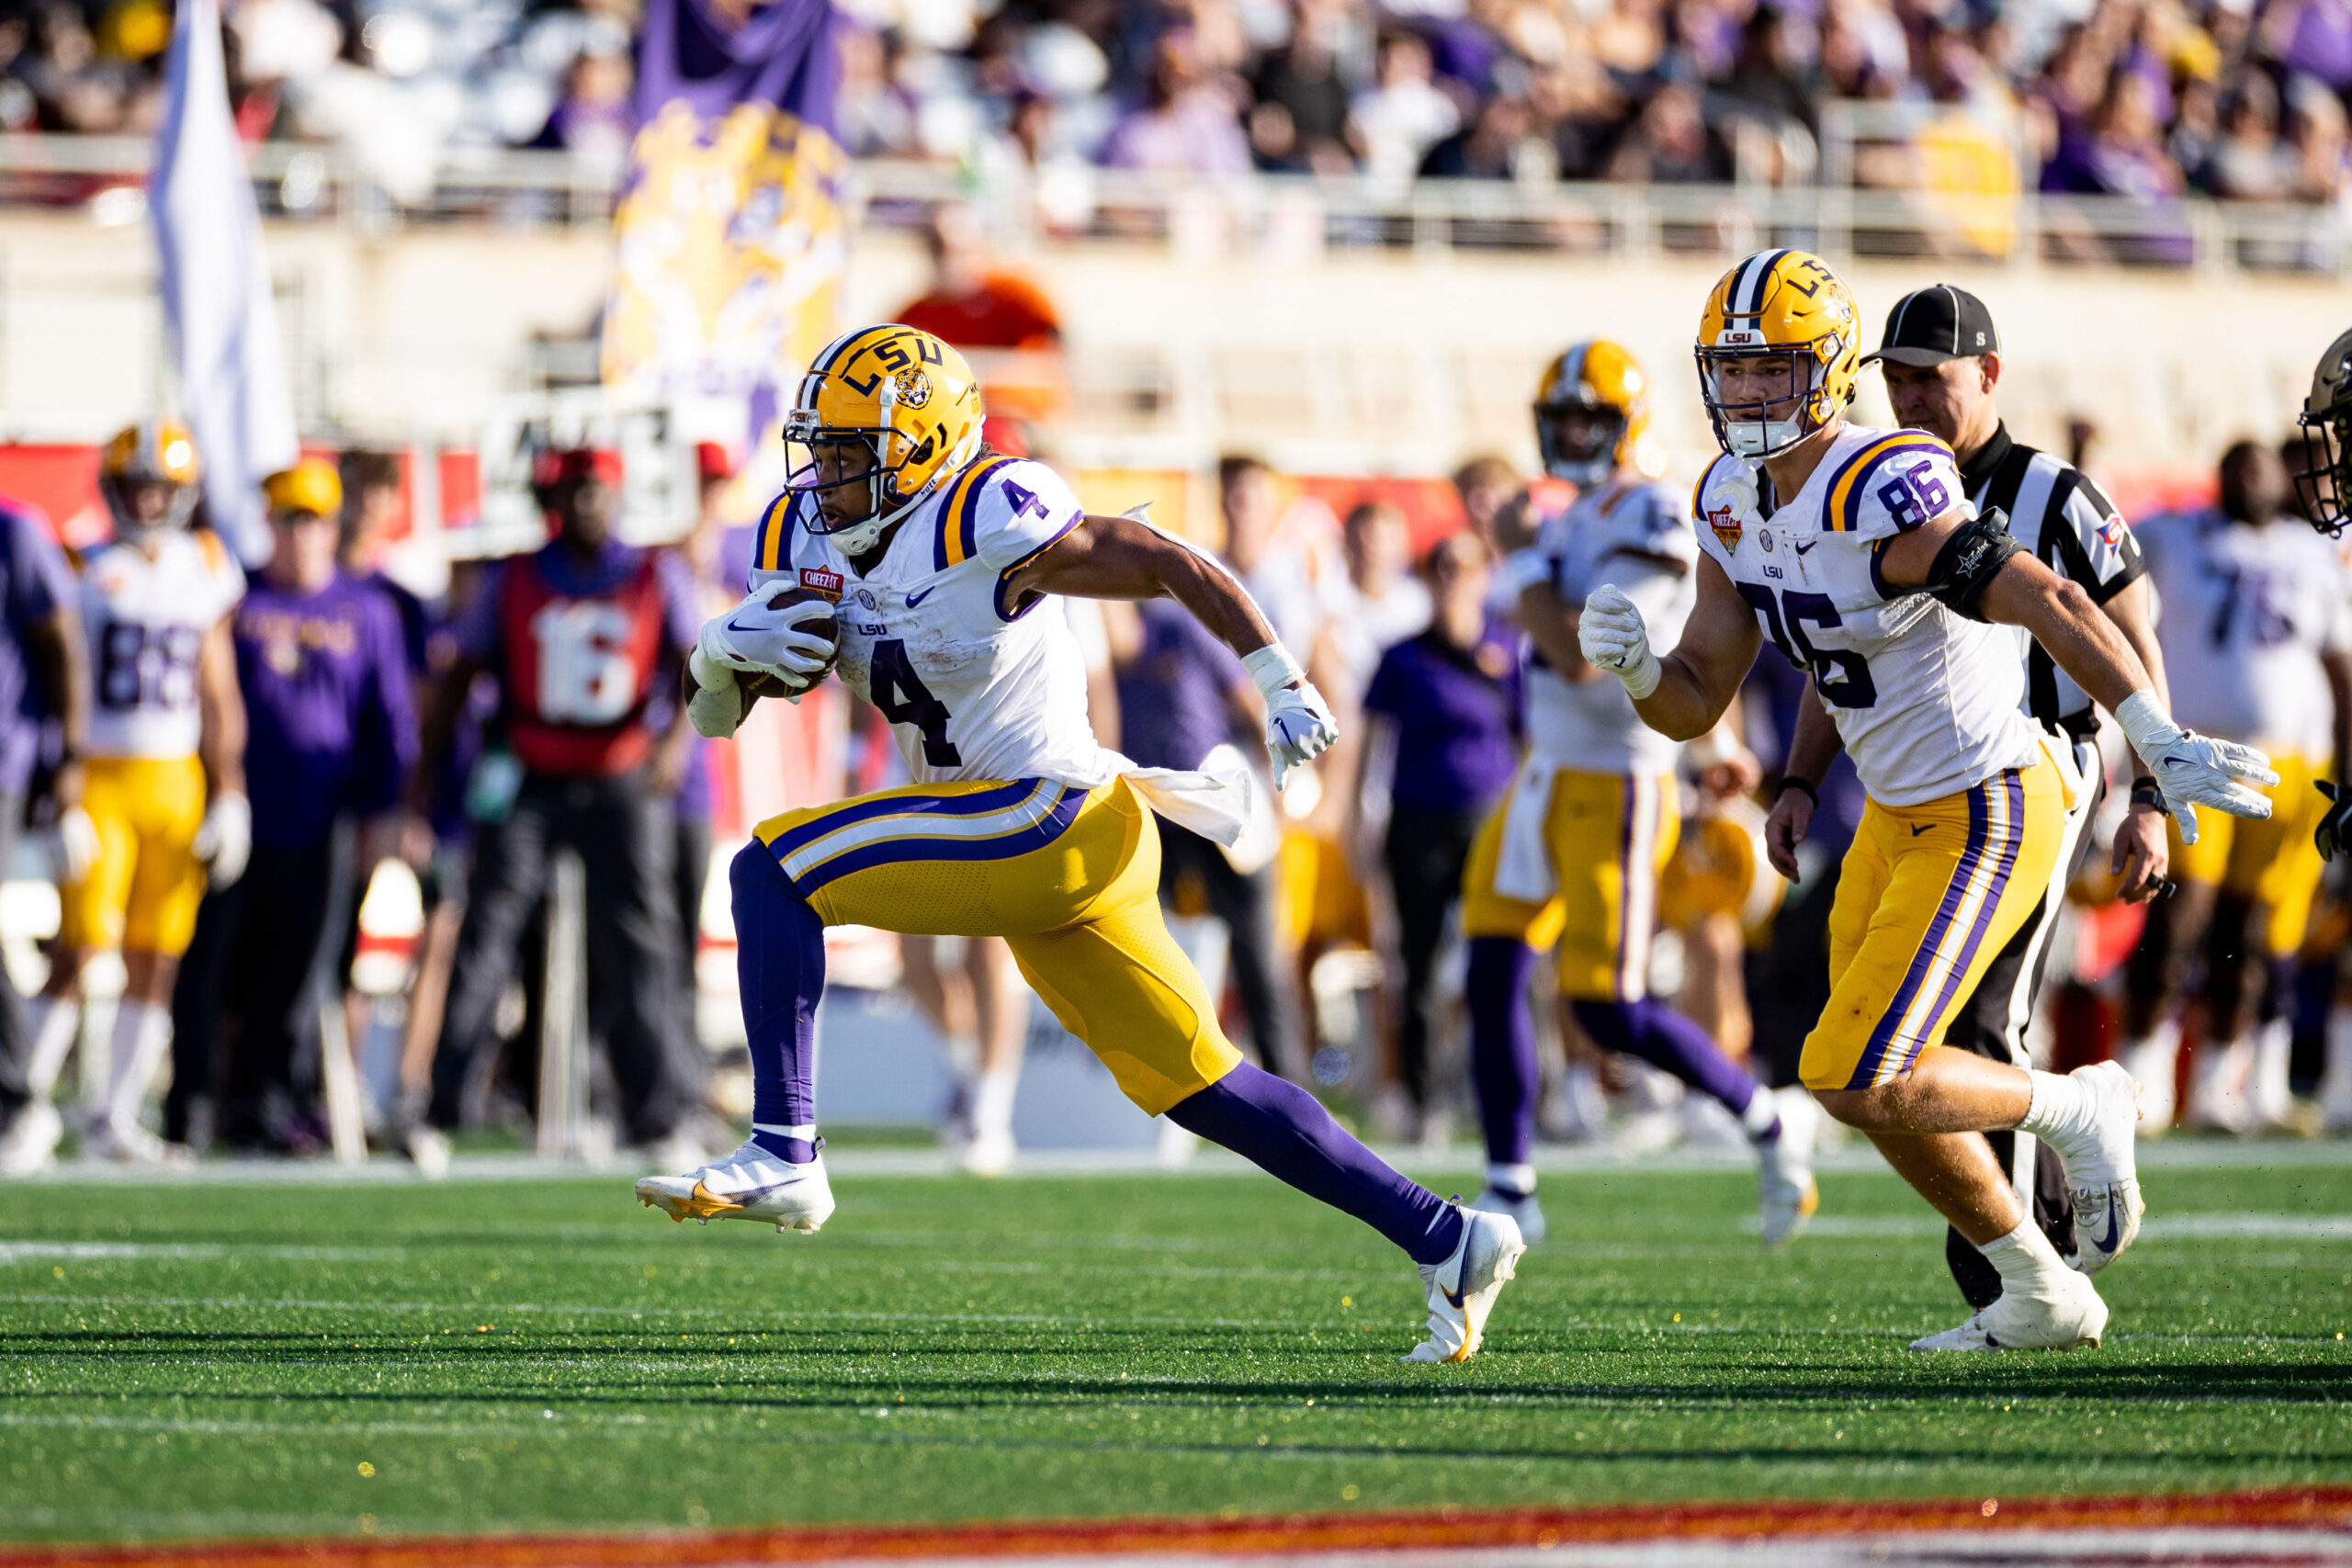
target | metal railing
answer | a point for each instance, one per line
(1294, 217)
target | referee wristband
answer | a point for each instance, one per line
(2145, 791)
(1790, 781)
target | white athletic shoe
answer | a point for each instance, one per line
(2102, 1169)
(2068, 1315)
(1462, 1289)
(2154, 1062)
(127, 1143)
(30, 1142)
(2217, 1078)
(749, 1184)
(988, 1153)
(1786, 1196)
(1526, 1212)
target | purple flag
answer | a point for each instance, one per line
(783, 56)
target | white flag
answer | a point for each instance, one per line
(215, 288)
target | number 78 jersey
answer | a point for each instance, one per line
(974, 687)
(1925, 699)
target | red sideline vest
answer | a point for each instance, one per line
(580, 670)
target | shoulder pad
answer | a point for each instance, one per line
(1894, 483)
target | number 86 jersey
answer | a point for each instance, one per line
(974, 687)
(1925, 699)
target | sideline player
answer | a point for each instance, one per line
(1858, 552)
(1572, 855)
(2257, 628)
(165, 782)
(1941, 358)
(938, 555)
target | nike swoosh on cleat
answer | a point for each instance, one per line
(915, 599)
(2114, 1224)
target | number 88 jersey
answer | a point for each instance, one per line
(974, 687)
(146, 612)
(1925, 699)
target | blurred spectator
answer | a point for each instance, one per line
(1444, 709)
(716, 591)
(1378, 604)
(331, 735)
(2247, 164)
(585, 639)
(1669, 144)
(374, 503)
(1282, 576)
(1492, 147)
(1403, 115)
(1186, 123)
(593, 117)
(44, 684)
(998, 319)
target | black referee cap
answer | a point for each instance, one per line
(1936, 323)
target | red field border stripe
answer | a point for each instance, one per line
(2327, 1506)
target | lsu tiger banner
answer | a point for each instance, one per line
(730, 231)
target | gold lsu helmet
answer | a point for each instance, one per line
(1600, 378)
(905, 399)
(152, 452)
(1783, 305)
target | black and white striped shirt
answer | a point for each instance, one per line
(2066, 521)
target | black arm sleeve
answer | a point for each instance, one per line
(1970, 560)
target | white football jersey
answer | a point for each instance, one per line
(146, 615)
(1636, 535)
(974, 688)
(2243, 614)
(1927, 700)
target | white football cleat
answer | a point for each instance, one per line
(128, 1142)
(2066, 1315)
(988, 1153)
(1462, 1290)
(2102, 1169)
(749, 1184)
(1786, 1195)
(1525, 1212)
(30, 1142)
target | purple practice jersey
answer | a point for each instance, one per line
(331, 726)
(34, 580)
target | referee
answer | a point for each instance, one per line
(1941, 358)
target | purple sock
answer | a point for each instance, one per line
(1285, 1132)
(780, 964)
(1502, 1045)
(1671, 1042)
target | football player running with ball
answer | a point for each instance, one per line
(922, 561)
(1857, 553)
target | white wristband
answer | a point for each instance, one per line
(708, 673)
(1272, 668)
(2145, 724)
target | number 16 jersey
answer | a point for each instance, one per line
(974, 687)
(1925, 699)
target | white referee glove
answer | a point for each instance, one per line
(1299, 724)
(225, 839)
(757, 636)
(2192, 769)
(1611, 635)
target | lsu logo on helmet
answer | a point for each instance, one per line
(1780, 308)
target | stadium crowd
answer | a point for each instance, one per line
(2147, 100)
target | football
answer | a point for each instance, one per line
(762, 685)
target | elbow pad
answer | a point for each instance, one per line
(1970, 560)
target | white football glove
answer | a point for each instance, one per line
(755, 635)
(1299, 723)
(1611, 635)
(72, 845)
(225, 839)
(2192, 769)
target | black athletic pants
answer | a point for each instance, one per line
(1245, 905)
(246, 1005)
(1425, 851)
(627, 838)
(1991, 1023)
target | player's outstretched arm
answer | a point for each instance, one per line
(1119, 558)
(1976, 568)
(1684, 694)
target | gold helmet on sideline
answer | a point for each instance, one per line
(907, 399)
(1787, 305)
(1594, 376)
(154, 452)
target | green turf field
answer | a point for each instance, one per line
(223, 1359)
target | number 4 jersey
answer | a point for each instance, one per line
(1925, 699)
(146, 611)
(974, 687)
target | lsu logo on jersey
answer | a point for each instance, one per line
(818, 579)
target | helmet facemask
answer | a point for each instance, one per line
(130, 525)
(1752, 425)
(1589, 460)
(2326, 477)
